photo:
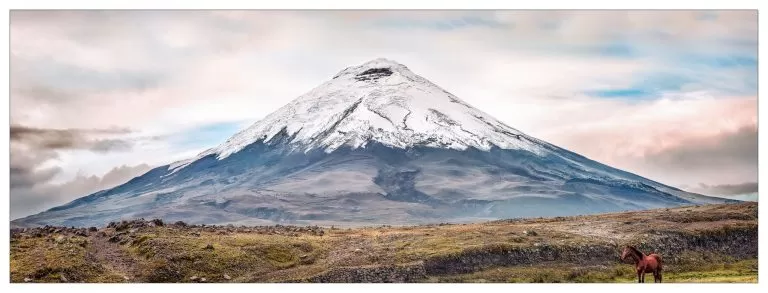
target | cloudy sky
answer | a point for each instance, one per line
(98, 97)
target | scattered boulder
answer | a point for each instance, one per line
(27, 280)
(157, 222)
(227, 277)
(306, 259)
(115, 238)
(60, 239)
(530, 233)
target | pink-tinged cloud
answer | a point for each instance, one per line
(688, 140)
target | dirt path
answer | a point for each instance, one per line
(113, 258)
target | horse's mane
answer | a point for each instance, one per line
(635, 251)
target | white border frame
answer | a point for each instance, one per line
(355, 5)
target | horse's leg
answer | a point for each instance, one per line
(639, 276)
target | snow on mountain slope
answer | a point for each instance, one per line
(376, 144)
(381, 101)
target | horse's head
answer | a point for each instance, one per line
(627, 252)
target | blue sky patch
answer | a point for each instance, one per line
(205, 136)
(635, 93)
(646, 86)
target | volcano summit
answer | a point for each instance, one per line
(376, 144)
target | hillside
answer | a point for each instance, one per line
(711, 243)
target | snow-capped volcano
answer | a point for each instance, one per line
(380, 101)
(374, 144)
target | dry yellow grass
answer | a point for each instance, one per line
(277, 254)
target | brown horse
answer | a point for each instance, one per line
(644, 263)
